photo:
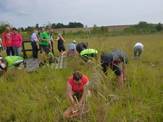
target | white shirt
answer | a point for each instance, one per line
(34, 37)
(138, 44)
(72, 46)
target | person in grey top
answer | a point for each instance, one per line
(116, 61)
(71, 49)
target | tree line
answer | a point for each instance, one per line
(141, 27)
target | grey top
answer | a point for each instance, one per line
(72, 46)
(116, 55)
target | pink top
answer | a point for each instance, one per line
(7, 39)
(17, 40)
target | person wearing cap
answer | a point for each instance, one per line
(116, 61)
(89, 53)
(72, 49)
(61, 47)
(77, 90)
(138, 49)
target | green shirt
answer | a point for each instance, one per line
(88, 51)
(44, 39)
(13, 60)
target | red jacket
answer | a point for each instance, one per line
(16, 40)
(7, 39)
(78, 87)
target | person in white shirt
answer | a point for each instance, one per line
(138, 49)
(34, 41)
(72, 49)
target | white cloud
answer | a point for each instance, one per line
(100, 12)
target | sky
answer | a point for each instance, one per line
(22, 13)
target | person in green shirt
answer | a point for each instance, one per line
(14, 60)
(86, 54)
(44, 41)
(10, 61)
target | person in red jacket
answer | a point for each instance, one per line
(16, 41)
(77, 90)
(7, 41)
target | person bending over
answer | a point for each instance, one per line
(115, 60)
(77, 90)
(138, 49)
(81, 46)
(87, 54)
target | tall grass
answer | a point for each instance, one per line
(40, 96)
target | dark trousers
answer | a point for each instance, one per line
(10, 51)
(34, 50)
(137, 51)
(44, 48)
(52, 46)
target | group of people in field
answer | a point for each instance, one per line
(43, 40)
(11, 41)
(77, 84)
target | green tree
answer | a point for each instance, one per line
(159, 27)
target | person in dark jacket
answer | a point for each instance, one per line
(61, 47)
(116, 61)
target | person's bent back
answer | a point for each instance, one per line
(81, 46)
(116, 61)
(87, 54)
(138, 49)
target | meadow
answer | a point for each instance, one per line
(41, 96)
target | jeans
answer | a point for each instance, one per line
(34, 49)
(10, 51)
(17, 51)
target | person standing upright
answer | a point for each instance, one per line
(7, 41)
(34, 41)
(16, 41)
(61, 47)
(44, 41)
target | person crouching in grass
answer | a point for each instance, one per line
(10, 62)
(88, 54)
(77, 90)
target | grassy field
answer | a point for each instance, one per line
(40, 96)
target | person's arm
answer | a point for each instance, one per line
(124, 71)
(3, 40)
(85, 92)
(62, 38)
(70, 94)
(50, 45)
(21, 39)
